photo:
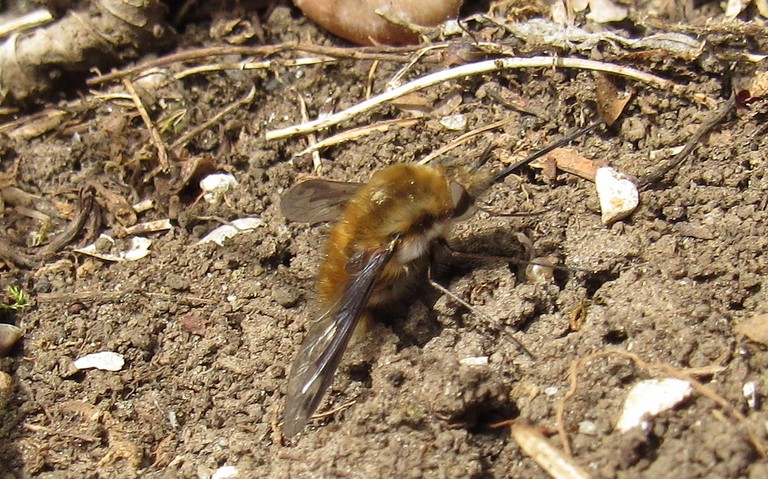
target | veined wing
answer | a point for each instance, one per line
(326, 340)
(316, 201)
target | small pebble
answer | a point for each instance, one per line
(618, 195)
(648, 398)
(9, 335)
(105, 361)
(475, 361)
(454, 122)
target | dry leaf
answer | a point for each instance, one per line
(610, 101)
(755, 328)
(416, 104)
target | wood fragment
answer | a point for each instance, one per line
(154, 135)
(185, 138)
(478, 68)
(101, 35)
(85, 208)
(27, 21)
(355, 133)
(551, 459)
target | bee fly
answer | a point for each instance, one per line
(377, 252)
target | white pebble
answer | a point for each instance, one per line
(618, 195)
(219, 182)
(587, 427)
(216, 185)
(750, 394)
(105, 361)
(648, 398)
(225, 472)
(475, 361)
(454, 122)
(224, 232)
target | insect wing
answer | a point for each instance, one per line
(316, 201)
(327, 338)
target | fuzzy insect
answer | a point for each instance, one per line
(378, 251)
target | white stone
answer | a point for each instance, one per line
(239, 225)
(475, 361)
(105, 361)
(618, 194)
(648, 398)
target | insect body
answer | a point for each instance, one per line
(378, 249)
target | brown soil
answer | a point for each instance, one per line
(209, 332)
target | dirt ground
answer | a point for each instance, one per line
(208, 332)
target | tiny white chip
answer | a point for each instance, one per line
(225, 472)
(105, 361)
(227, 231)
(474, 361)
(648, 398)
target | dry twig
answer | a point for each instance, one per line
(551, 459)
(154, 135)
(392, 54)
(692, 143)
(183, 139)
(478, 68)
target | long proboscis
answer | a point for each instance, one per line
(559, 143)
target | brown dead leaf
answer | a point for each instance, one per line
(116, 204)
(194, 323)
(754, 328)
(416, 104)
(572, 162)
(192, 171)
(610, 101)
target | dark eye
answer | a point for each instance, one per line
(462, 202)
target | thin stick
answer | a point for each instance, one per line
(359, 132)
(717, 117)
(464, 138)
(478, 68)
(335, 410)
(25, 22)
(371, 78)
(392, 54)
(312, 138)
(182, 140)
(154, 135)
(558, 464)
(252, 65)
(476, 312)
(60, 433)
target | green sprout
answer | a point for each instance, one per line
(19, 299)
(42, 234)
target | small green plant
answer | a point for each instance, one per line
(18, 300)
(42, 234)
